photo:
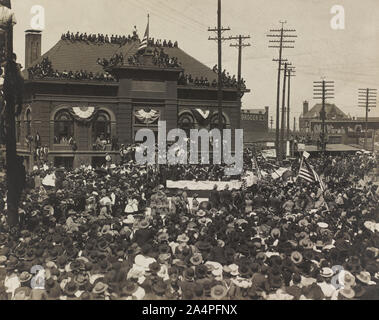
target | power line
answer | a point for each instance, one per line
(282, 43)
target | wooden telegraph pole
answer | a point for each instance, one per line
(323, 90)
(240, 46)
(282, 147)
(367, 99)
(281, 44)
(290, 73)
(219, 30)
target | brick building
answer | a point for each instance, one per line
(255, 123)
(340, 128)
(61, 109)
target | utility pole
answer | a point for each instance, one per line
(287, 66)
(294, 124)
(12, 88)
(290, 73)
(367, 99)
(271, 122)
(240, 46)
(282, 152)
(323, 90)
(219, 39)
(282, 43)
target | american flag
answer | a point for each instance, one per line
(307, 173)
(145, 40)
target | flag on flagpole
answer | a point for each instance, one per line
(307, 173)
(145, 40)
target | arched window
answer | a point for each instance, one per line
(28, 122)
(186, 123)
(214, 122)
(63, 128)
(101, 129)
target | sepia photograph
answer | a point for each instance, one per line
(206, 151)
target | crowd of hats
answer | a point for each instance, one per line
(91, 248)
(44, 70)
(197, 172)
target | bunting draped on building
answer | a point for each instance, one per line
(83, 114)
(202, 116)
(147, 116)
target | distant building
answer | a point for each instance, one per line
(255, 123)
(339, 127)
(332, 113)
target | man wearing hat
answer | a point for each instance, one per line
(214, 197)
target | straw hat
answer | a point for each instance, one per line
(296, 257)
(347, 293)
(326, 272)
(365, 278)
(218, 292)
(99, 288)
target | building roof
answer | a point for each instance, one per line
(332, 112)
(333, 148)
(78, 55)
(254, 111)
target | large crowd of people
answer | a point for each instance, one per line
(115, 39)
(227, 80)
(45, 70)
(160, 59)
(100, 38)
(165, 44)
(117, 232)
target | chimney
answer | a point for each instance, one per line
(267, 109)
(33, 40)
(305, 107)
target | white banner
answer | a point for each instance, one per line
(203, 185)
(301, 147)
(271, 153)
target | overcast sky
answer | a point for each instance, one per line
(349, 57)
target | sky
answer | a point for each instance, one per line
(349, 57)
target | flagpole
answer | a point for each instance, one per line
(148, 28)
